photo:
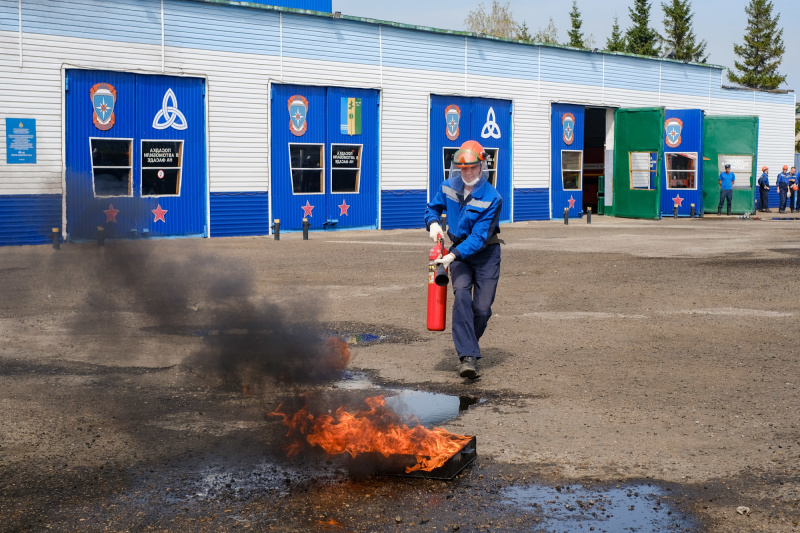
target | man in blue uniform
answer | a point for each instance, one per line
(473, 211)
(726, 181)
(783, 188)
(763, 188)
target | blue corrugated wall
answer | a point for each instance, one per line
(403, 209)
(531, 204)
(237, 214)
(28, 218)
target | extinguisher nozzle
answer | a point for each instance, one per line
(441, 279)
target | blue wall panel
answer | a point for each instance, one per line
(531, 204)
(562, 198)
(504, 60)
(134, 21)
(632, 73)
(403, 209)
(9, 15)
(424, 51)
(333, 40)
(28, 218)
(221, 28)
(570, 66)
(691, 141)
(236, 214)
(684, 79)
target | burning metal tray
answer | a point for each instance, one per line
(395, 465)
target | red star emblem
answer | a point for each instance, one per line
(571, 202)
(678, 200)
(111, 213)
(343, 208)
(159, 213)
(307, 208)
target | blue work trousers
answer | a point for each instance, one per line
(474, 286)
(764, 199)
(782, 192)
(725, 195)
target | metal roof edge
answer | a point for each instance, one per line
(738, 88)
(428, 29)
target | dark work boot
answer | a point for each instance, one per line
(729, 212)
(719, 211)
(468, 368)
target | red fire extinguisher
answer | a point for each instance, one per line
(437, 289)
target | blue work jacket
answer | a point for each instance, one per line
(783, 179)
(763, 181)
(471, 220)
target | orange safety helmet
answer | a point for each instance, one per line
(764, 169)
(785, 167)
(470, 153)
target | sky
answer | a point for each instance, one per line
(720, 22)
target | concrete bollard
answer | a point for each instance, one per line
(675, 212)
(566, 216)
(276, 229)
(306, 225)
(444, 223)
(55, 236)
(588, 215)
(691, 210)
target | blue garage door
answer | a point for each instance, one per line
(324, 157)
(566, 173)
(136, 155)
(682, 181)
(455, 120)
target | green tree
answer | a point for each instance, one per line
(575, 35)
(615, 43)
(547, 35)
(498, 21)
(679, 35)
(762, 51)
(641, 38)
(524, 33)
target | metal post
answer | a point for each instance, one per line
(276, 229)
(691, 208)
(566, 216)
(588, 215)
(55, 236)
(101, 236)
(675, 212)
(305, 229)
(444, 222)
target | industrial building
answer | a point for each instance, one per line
(212, 118)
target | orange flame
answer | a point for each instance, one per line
(378, 429)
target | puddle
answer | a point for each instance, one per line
(430, 408)
(634, 508)
(364, 338)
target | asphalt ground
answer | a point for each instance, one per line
(137, 377)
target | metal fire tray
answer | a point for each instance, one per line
(395, 465)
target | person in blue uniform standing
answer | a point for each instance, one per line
(473, 212)
(783, 188)
(763, 188)
(726, 181)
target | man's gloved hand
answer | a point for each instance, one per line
(446, 260)
(436, 231)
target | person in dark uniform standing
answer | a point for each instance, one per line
(783, 188)
(763, 188)
(473, 213)
(726, 181)
(792, 188)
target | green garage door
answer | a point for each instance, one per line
(731, 140)
(638, 152)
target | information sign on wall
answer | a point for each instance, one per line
(20, 141)
(741, 165)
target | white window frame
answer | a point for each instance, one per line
(321, 168)
(358, 177)
(631, 170)
(696, 171)
(179, 167)
(580, 170)
(130, 168)
(447, 170)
